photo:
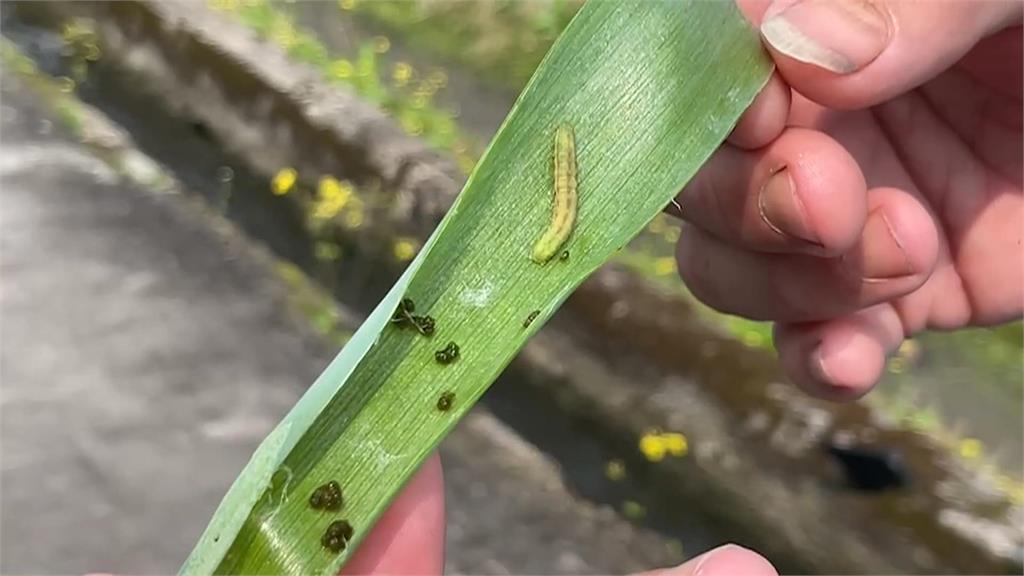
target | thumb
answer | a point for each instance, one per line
(728, 560)
(856, 53)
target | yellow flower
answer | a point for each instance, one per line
(615, 470)
(354, 218)
(347, 4)
(381, 44)
(675, 444)
(332, 197)
(330, 188)
(652, 447)
(401, 74)
(404, 249)
(341, 69)
(323, 211)
(656, 445)
(665, 266)
(970, 448)
(283, 33)
(283, 181)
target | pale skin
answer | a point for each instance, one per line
(899, 208)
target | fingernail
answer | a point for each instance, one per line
(817, 366)
(881, 251)
(828, 387)
(782, 210)
(841, 36)
(841, 366)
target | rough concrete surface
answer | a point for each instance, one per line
(143, 357)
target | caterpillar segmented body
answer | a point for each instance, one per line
(563, 214)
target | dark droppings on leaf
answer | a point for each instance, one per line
(327, 497)
(444, 403)
(449, 354)
(564, 256)
(337, 536)
(404, 316)
(425, 324)
(529, 319)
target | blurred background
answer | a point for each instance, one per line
(200, 201)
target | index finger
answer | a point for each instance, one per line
(409, 537)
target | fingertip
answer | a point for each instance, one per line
(829, 365)
(912, 227)
(841, 359)
(732, 559)
(852, 55)
(766, 117)
(830, 194)
(846, 364)
(728, 560)
(803, 193)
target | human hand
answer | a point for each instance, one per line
(873, 189)
(409, 539)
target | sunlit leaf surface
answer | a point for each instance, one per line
(650, 89)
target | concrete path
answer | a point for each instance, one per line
(143, 357)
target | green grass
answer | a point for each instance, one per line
(401, 92)
(314, 304)
(53, 91)
(502, 41)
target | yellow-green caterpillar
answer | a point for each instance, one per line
(563, 214)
